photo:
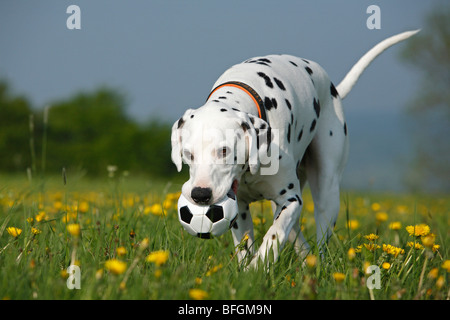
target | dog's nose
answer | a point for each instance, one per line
(201, 195)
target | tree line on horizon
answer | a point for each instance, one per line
(87, 132)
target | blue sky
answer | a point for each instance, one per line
(165, 55)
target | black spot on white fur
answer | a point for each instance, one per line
(288, 104)
(333, 91)
(288, 135)
(279, 84)
(270, 103)
(316, 107)
(266, 79)
(300, 135)
(313, 125)
(180, 123)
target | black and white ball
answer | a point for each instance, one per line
(208, 220)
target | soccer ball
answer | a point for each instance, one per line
(209, 220)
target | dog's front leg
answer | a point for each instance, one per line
(243, 227)
(287, 214)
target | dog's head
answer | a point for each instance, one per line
(219, 144)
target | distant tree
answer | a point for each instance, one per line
(14, 131)
(90, 131)
(155, 148)
(429, 52)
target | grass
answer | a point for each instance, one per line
(124, 234)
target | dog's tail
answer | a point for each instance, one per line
(352, 77)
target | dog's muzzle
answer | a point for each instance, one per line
(201, 195)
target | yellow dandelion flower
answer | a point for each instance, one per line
(351, 254)
(35, 230)
(13, 231)
(173, 196)
(428, 240)
(390, 249)
(338, 277)
(159, 257)
(144, 244)
(99, 274)
(115, 266)
(371, 237)
(311, 260)
(419, 230)
(30, 220)
(371, 246)
(147, 210)
(257, 221)
(66, 218)
(58, 205)
(157, 210)
(386, 265)
(121, 251)
(169, 204)
(74, 229)
(198, 294)
(433, 274)
(366, 266)
(446, 265)
(435, 247)
(414, 245)
(243, 244)
(40, 216)
(440, 282)
(396, 225)
(214, 270)
(64, 274)
(381, 216)
(83, 207)
(375, 206)
(353, 224)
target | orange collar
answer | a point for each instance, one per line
(250, 91)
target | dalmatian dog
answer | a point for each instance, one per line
(270, 125)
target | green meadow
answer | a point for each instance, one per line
(121, 238)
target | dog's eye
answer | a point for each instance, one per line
(188, 155)
(223, 152)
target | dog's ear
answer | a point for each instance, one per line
(258, 135)
(176, 139)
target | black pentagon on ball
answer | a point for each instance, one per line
(204, 235)
(185, 214)
(215, 213)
